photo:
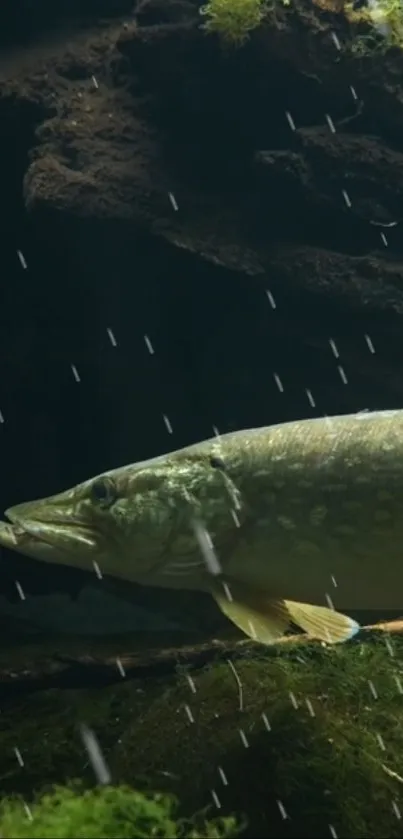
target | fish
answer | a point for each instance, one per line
(290, 525)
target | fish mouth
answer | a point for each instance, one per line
(40, 524)
(10, 535)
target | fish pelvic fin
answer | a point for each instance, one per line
(262, 619)
(322, 623)
(266, 619)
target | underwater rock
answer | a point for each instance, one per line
(100, 612)
(300, 739)
(92, 612)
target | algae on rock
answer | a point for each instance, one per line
(299, 739)
(106, 812)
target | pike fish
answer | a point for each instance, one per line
(292, 524)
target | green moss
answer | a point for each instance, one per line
(318, 738)
(104, 813)
(233, 20)
(323, 760)
(45, 727)
(384, 27)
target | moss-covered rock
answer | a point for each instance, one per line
(233, 20)
(302, 740)
(104, 813)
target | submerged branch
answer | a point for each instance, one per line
(62, 670)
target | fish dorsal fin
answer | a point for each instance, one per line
(321, 622)
(254, 613)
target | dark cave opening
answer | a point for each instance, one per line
(22, 22)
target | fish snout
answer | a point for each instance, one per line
(8, 536)
(34, 512)
(51, 523)
(19, 512)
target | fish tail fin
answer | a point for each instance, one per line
(321, 622)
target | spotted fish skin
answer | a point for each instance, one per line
(328, 503)
(307, 511)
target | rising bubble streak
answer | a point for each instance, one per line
(206, 546)
(18, 756)
(22, 259)
(28, 811)
(238, 681)
(20, 589)
(149, 345)
(95, 755)
(75, 372)
(111, 337)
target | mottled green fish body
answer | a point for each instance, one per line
(292, 523)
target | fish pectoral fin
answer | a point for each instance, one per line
(321, 622)
(258, 616)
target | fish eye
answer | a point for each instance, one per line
(103, 492)
(217, 462)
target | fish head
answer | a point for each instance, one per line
(55, 529)
(131, 521)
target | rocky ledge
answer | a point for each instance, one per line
(295, 740)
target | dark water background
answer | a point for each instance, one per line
(217, 344)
